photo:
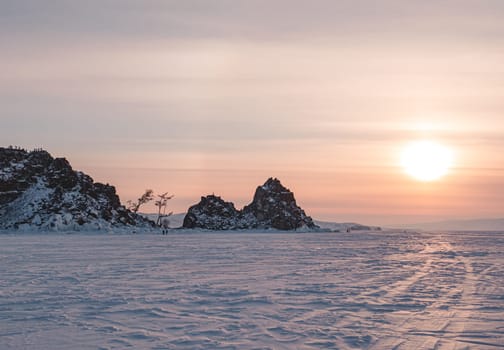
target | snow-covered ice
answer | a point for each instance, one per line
(379, 290)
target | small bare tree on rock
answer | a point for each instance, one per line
(161, 204)
(145, 198)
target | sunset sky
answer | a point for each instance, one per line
(215, 96)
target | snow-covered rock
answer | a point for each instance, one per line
(213, 213)
(273, 206)
(39, 192)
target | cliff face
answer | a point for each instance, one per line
(273, 206)
(40, 192)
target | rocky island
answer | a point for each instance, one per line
(39, 192)
(273, 207)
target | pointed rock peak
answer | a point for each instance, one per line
(275, 206)
(272, 191)
(274, 185)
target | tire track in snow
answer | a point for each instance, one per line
(439, 324)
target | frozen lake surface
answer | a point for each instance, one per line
(252, 291)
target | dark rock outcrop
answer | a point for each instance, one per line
(212, 213)
(40, 192)
(273, 206)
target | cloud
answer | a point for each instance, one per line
(252, 19)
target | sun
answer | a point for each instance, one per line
(426, 160)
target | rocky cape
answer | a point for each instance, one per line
(273, 207)
(39, 192)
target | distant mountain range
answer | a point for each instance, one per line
(461, 225)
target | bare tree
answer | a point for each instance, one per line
(145, 198)
(162, 203)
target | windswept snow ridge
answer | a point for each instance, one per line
(375, 291)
